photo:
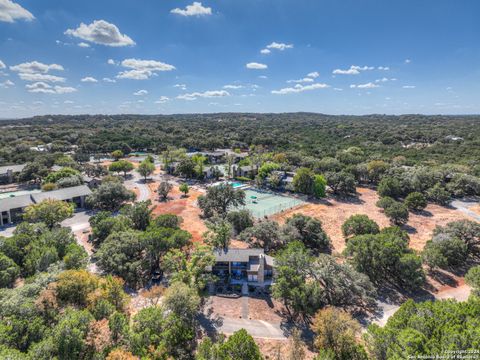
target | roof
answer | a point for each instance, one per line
(15, 202)
(240, 255)
(13, 168)
(247, 168)
(63, 194)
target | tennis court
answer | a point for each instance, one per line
(265, 203)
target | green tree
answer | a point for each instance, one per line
(122, 254)
(337, 332)
(397, 213)
(220, 199)
(184, 189)
(240, 220)
(186, 167)
(415, 201)
(146, 168)
(117, 154)
(438, 194)
(121, 166)
(264, 234)
(359, 225)
(49, 211)
(386, 258)
(219, 234)
(240, 345)
(110, 196)
(444, 251)
(164, 189)
(309, 231)
(473, 279)
(75, 257)
(9, 271)
(319, 186)
(304, 181)
(389, 186)
(341, 183)
(139, 213)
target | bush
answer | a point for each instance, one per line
(397, 213)
(438, 195)
(444, 251)
(390, 187)
(415, 201)
(49, 187)
(359, 225)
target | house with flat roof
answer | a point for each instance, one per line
(247, 171)
(7, 173)
(11, 208)
(240, 266)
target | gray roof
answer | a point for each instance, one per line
(63, 194)
(15, 202)
(240, 255)
(13, 168)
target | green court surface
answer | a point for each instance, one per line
(265, 203)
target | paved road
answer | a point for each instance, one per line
(137, 182)
(78, 222)
(464, 206)
(256, 328)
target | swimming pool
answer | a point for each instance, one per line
(236, 184)
(18, 193)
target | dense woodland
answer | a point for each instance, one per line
(419, 138)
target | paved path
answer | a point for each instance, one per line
(245, 307)
(137, 182)
(464, 206)
(256, 328)
(78, 222)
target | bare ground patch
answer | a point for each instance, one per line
(333, 212)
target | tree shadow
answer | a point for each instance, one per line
(409, 229)
(356, 200)
(443, 278)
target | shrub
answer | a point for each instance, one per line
(415, 201)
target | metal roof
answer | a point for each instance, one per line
(63, 194)
(236, 255)
(13, 168)
(15, 202)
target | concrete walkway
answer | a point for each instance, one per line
(257, 328)
(137, 182)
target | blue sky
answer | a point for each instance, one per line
(150, 56)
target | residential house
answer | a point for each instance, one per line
(250, 266)
(247, 171)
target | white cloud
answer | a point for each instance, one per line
(234, 87)
(2, 65)
(111, 62)
(299, 88)
(384, 68)
(181, 86)
(10, 11)
(6, 84)
(35, 67)
(101, 32)
(384, 79)
(279, 46)
(195, 9)
(140, 93)
(304, 80)
(142, 69)
(40, 77)
(368, 85)
(263, 77)
(42, 87)
(408, 61)
(206, 94)
(265, 51)
(64, 89)
(106, 79)
(89, 79)
(313, 74)
(162, 100)
(338, 89)
(353, 70)
(256, 66)
(83, 44)
(409, 86)
(69, 102)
